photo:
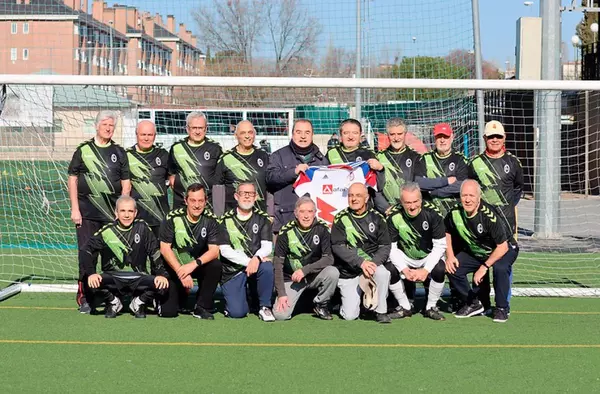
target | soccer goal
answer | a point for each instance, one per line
(44, 118)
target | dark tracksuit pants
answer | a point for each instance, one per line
(207, 276)
(468, 264)
(84, 232)
(234, 290)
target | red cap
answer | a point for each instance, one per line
(442, 129)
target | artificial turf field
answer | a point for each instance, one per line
(548, 345)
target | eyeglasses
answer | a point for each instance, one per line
(495, 137)
(246, 194)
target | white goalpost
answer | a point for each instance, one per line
(37, 241)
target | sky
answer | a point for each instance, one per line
(389, 26)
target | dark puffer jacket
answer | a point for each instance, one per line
(281, 176)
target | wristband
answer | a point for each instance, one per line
(199, 261)
(486, 266)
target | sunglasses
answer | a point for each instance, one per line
(495, 137)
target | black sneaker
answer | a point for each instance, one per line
(470, 310)
(500, 315)
(138, 308)
(434, 314)
(113, 308)
(322, 312)
(203, 314)
(382, 318)
(400, 313)
(85, 309)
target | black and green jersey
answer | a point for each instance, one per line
(189, 240)
(339, 155)
(414, 235)
(193, 163)
(356, 238)
(435, 167)
(234, 168)
(149, 177)
(398, 168)
(501, 181)
(300, 247)
(243, 235)
(479, 234)
(123, 249)
(99, 170)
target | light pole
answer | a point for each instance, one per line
(575, 40)
(110, 51)
(414, 39)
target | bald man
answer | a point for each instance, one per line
(361, 245)
(149, 176)
(244, 163)
(477, 239)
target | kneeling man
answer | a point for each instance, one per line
(125, 246)
(361, 244)
(418, 245)
(303, 260)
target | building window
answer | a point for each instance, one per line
(76, 30)
(25, 27)
(25, 53)
(13, 54)
(13, 28)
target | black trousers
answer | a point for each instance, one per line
(117, 284)
(207, 275)
(502, 269)
(84, 233)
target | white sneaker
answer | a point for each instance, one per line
(135, 304)
(265, 314)
(117, 305)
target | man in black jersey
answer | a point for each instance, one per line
(418, 245)
(193, 160)
(243, 163)
(350, 149)
(189, 243)
(98, 175)
(246, 244)
(303, 260)
(441, 171)
(398, 162)
(360, 242)
(149, 176)
(478, 239)
(126, 244)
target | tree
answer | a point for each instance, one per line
(292, 32)
(464, 58)
(427, 67)
(583, 27)
(234, 25)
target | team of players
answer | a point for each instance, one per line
(390, 239)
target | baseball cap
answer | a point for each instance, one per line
(369, 288)
(442, 129)
(494, 128)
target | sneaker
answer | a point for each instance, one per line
(138, 308)
(400, 313)
(470, 310)
(85, 308)
(434, 314)
(382, 318)
(322, 312)
(202, 313)
(500, 315)
(113, 308)
(265, 314)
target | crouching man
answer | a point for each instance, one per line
(125, 246)
(303, 260)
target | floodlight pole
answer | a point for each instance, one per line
(358, 59)
(478, 73)
(547, 178)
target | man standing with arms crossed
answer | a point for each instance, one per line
(98, 175)
(193, 160)
(149, 176)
